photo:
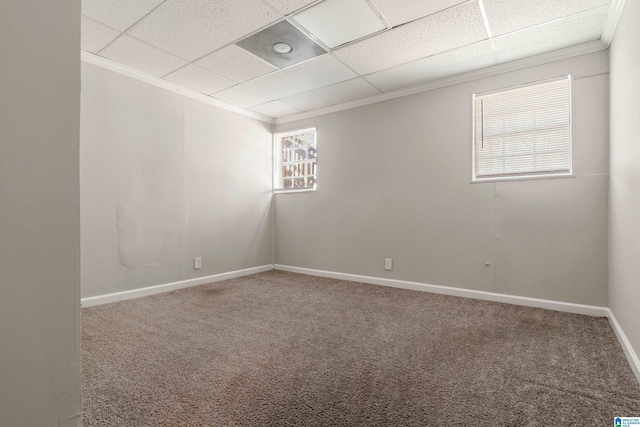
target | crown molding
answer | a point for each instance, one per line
(613, 18)
(545, 58)
(105, 63)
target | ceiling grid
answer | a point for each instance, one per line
(198, 43)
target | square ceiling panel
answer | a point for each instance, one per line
(317, 72)
(576, 29)
(439, 32)
(199, 79)
(118, 14)
(95, 36)
(263, 45)
(505, 16)
(400, 12)
(275, 109)
(331, 95)
(242, 96)
(235, 63)
(336, 22)
(468, 58)
(193, 28)
(285, 7)
(139, 55)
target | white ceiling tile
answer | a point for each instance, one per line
(235, 63)
(275, 109)
(286, 7)
(199, 79)
(318, 72)
(331, 95)
(136, 54)
(336, 22)
(399, 12)
(242, 96)
(193, 28)
(95, 36)
(464, 59)
(439, 32)
(576, 29)
(119, 14)
(505, 16)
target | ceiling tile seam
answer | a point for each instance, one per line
(371, 83)
(392, 28)
(255, 90)
(290, 14)
(277, 100)
(307, 33)
(288, 67)
(498, 69)
(549, 22)
(133, 73)
(206, 69)
(379, 13)
(281, 101)
(126, 31)
(345, 64)
(101, 23)
(494, 52)
(428, 56)
(231, 44)
(150, 45)
(273, 9)
(242, 38)
(292, 21)
(484, 17)
(464, 3)
(501, 36)
(323, 87)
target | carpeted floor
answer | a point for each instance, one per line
(282, 349)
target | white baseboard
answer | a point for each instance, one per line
(590, 310)
(632, 357)
(151, 290)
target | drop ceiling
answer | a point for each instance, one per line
(368, 48)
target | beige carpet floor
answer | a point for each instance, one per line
(281, 349)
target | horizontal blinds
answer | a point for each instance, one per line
(523, 131)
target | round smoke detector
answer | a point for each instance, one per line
(282, 47)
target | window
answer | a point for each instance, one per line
(523, 131)
(296, 154)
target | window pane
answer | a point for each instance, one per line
(298, 152)
(523, 131)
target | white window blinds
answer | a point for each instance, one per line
(525, 131)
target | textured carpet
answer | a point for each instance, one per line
(282, 349)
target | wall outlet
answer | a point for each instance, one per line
(197, 263)
(388, 264)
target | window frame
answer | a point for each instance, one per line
(277, 160)
(522, 176)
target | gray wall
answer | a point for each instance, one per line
(39, 213)
(394, 182)
(165, 179)
(624, 220)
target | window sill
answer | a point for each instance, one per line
(304, 190)
(521, 178)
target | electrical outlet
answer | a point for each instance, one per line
(388, 264)
(197, 263)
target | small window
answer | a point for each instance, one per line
(296, 155)
(523, 131)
